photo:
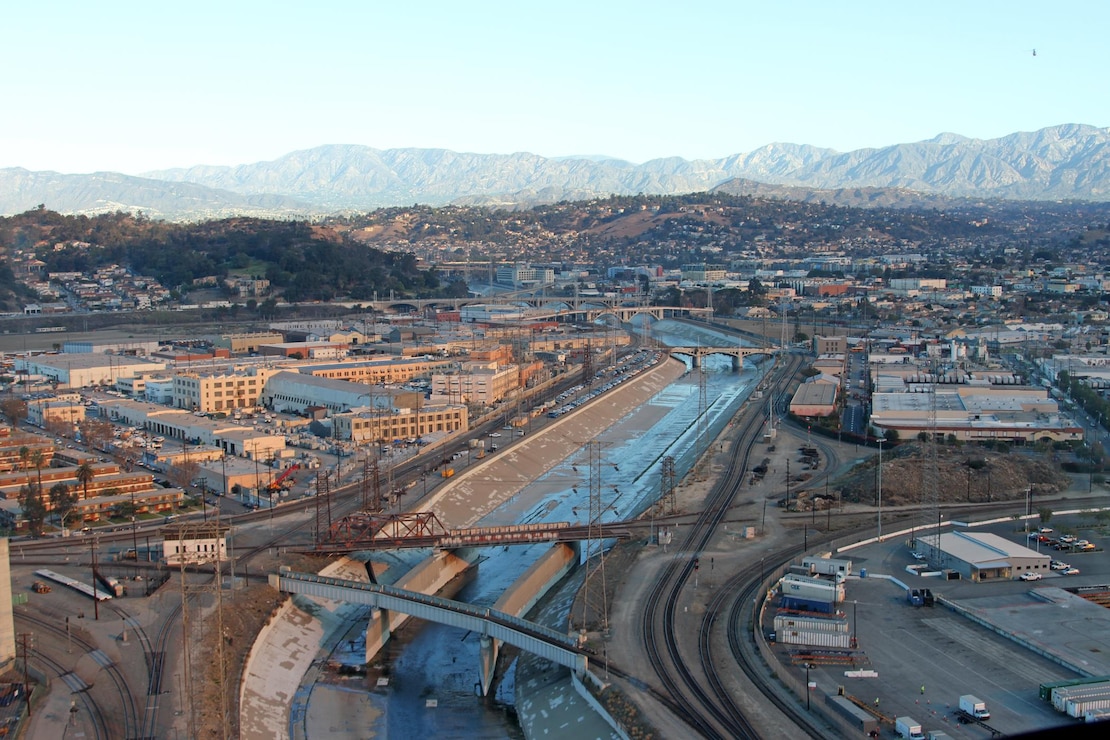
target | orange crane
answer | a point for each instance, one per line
(276, 484)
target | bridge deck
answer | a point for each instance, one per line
(545, 642)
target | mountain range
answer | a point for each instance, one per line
(1066, 162)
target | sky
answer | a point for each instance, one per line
(132, 87)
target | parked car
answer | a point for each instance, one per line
(1058, 565)
(1088, 546)
(1046, 530)
(1030, 576)
(1068, 538)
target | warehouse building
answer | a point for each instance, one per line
(294, 392)
(83, 370)
(981, 556)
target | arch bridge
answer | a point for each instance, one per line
(697, 354)
(489, 624)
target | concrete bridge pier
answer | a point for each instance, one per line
(378, 632)
(488, 651)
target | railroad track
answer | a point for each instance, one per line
(99, 723)
(705, 703)
(107, 723)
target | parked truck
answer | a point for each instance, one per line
(974, 706)
(908, 729)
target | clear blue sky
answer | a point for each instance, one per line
(131, 86)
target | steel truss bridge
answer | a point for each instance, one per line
(363, 532)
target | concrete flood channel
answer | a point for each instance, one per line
(432, 677)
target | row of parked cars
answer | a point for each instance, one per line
(1065, 542)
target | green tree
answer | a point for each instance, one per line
(1045, 513)
(34, 510)
(14, 410)
(38, 458)
(85, 475)
(63, 500)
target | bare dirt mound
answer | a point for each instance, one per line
(964, 474)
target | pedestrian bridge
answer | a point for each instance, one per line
(490, 624)
(696, 354)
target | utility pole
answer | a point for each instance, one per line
(96, 601)
(879, 490)
(25, 641)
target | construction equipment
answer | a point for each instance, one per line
(283, 481)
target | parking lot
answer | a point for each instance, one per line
(999, 640)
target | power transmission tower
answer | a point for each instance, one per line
(931, 480)
(365, 485)
(588, 366)
(702, 444)
(667, 486)
(595, 597)
(323, 506)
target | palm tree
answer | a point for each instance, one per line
(38, 457)
(85, 475)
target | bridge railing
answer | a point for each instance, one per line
(507, 620)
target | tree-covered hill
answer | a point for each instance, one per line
(301, 260)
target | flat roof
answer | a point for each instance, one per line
(85, 361)
(982, 549)
(815, 394)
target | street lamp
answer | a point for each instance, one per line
(880, 490)
(134, 530)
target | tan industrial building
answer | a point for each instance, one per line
(384, 426)
(483, 383)
(974, 413)
(216, 392)
(981, 556)
(52, 413)
(815, 398)
(175, 424)
(379, 371)
(83, 370)
(246, 343)
(295, 392)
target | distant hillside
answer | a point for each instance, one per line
(851, 197)
(108, 192)
(1067, 162)
(1061, 162)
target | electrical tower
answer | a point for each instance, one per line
(588, 365)
(703, 423)
(323, 506)
(595, 604)
(930, 492)
(667, 486)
